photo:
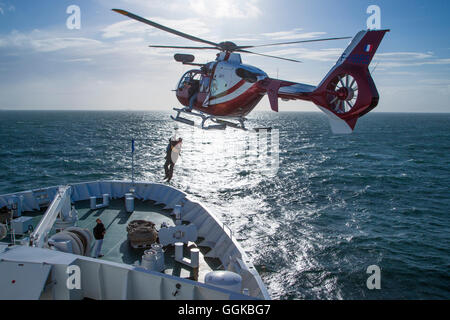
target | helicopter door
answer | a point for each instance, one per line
(184, 85)
(221, 80)
(203, 94)
(183, 88)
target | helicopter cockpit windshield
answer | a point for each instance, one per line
(194, 75)
(194, 82)
(188, 77)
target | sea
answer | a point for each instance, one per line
(322, 216)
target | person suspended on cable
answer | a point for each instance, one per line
(167, 158)
(173, 151)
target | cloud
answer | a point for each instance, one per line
(48, 42)
(331, 54)
(384, 60)
(435, 83)
(409, 59)
(396, 73)
(226, 9)
(4, 7)
(134, 28)
(293, 34)
(173, 5)
(230, 9)
(79, 60)
(54, 44)
(44, 42)
(123, 28)
(404, 55)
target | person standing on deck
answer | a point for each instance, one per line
(99, 233)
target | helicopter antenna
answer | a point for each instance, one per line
(373, 70)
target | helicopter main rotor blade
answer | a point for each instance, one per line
(164, 28)
(183, 47)
(291, 42)
(266, 55)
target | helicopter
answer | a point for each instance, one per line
(226, 90)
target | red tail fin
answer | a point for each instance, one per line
(348, 91)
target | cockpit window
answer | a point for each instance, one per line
(188, 77)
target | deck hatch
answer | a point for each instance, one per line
(22, 281)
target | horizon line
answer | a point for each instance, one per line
(150, 110)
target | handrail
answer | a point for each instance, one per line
(229, 229)
(60, 204)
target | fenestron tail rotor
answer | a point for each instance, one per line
(226, 46)
(342, 93)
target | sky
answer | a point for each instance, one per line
(107, 64)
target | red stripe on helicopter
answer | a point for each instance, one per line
(231, 90)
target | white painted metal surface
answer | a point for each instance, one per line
(22, 280)
(21, 224)
(160, 263)
(105, 280)
(178, 233)
(60, 206)
(128, 281)
(224, 279)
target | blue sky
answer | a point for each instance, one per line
(107, 63)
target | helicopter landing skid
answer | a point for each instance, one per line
(221, 122)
